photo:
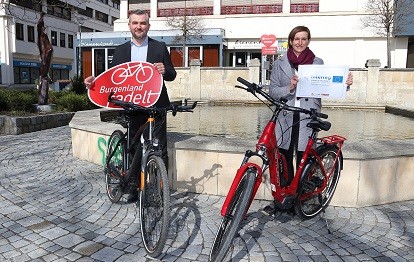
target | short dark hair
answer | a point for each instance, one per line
(296, 30)
(138, 12)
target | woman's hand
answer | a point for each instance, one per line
(349, 79)
(293, 83)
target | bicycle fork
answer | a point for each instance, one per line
(239, 176)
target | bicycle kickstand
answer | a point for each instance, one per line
(326, 223)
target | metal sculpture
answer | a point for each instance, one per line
(46, 53)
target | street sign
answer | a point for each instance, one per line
(268, 42)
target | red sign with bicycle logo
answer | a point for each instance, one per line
(137, 82)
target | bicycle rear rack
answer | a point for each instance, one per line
(333, 139)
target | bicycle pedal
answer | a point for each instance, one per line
(317, 181)
(308, 186)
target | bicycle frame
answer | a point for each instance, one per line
(149, 145)
(147, 148)
(267, 151)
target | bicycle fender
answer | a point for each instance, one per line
(236, 182)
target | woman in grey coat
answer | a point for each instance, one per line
(292, 134)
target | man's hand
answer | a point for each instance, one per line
(88, 81)
(160, 67)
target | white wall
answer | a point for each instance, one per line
(341, 5)
(341, 39)
(338, 36)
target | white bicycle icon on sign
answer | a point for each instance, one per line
(143, 73)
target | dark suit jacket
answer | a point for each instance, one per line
(157, 53)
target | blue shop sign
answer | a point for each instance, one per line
(60, 66)
(25, 63)
(37, 64)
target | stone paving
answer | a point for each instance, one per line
(54, 208)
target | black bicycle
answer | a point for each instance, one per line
(136, 164)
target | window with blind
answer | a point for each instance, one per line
(179, 8)
(304, 6)
(230, 7)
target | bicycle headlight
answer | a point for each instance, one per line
(261, 149)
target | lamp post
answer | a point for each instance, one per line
(80, 20)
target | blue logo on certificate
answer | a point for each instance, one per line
(337, 79)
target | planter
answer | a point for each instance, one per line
(13, 125)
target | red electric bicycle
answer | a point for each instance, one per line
(312, 187)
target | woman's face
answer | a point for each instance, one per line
(300, 42)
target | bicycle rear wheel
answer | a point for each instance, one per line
(115, 151)
(154, 206)
(231, 221)
(309, 204)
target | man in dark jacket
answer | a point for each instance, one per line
(143, 48)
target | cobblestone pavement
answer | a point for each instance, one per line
(54, 208)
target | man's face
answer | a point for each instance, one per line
(139, 26)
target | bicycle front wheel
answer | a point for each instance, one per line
(154, 206)
(310, 204)
(231, 221)
(114, 159)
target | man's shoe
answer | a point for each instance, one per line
(270, 209)
(133, 197)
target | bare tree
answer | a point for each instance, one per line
(189, 26)
(388, 18)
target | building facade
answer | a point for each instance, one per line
(65, 21)
(232, 33)
(235, 31)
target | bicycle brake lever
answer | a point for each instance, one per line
(110, 96)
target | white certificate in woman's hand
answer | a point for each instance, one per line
(322, 81)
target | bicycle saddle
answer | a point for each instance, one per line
(319, 124)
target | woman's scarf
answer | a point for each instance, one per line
(304, 58)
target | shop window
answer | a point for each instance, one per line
(59, 74)
(99, 61)
(241, 59)
(64, 74)
(193, 53)
(30, 33)
(211, 55)
(62, 39)
(34, 74)
(56, 75)
(25, 75)
(22, 75)
(19, 31)
(54, 38)
(111, 52)
(176, 54)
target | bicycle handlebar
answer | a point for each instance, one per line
(281, 103)
(174, 108)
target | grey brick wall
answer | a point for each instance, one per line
(19, 125)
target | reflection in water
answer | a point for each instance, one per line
(249, 121)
